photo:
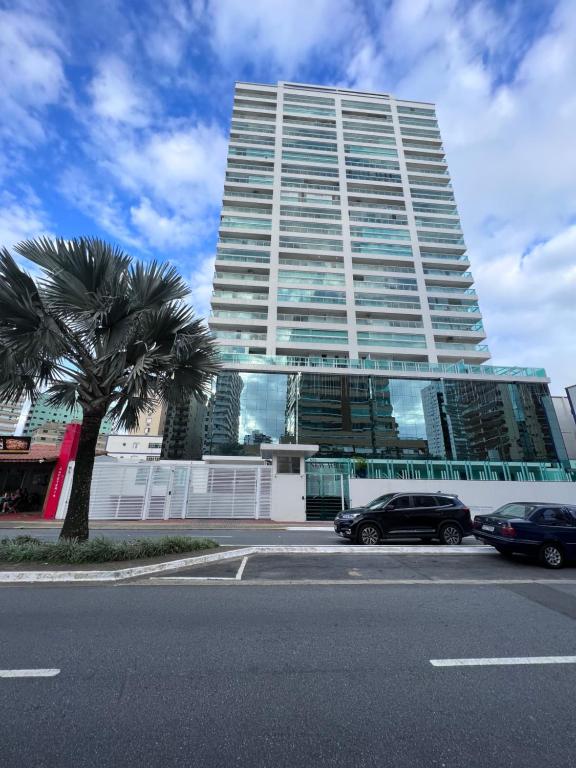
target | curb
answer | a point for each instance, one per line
(121, 574)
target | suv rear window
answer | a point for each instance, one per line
(446, 501)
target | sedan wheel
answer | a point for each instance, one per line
(552, 556)
(450, 534)
(368, 534)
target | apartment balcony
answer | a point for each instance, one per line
(380, 300)
(361, 126)
(312, 263)
(254, 115)
(257, 127)
(392, 268)
(231, 280)
(247, 141)
(309, 297)
(449, 259)
(396, 219)
(438, 195)
(253, 166)
(251, 259)
(250, 153)
(251, 179)
(261, 105)
(310, 172)
(306, 319)
(235, 209)
(308, 228)
(231, 193)
(237, 319)
(457, 279)
(451, 242)
(446, 307)
(386, 284)
(309, 244)
(431, 209)
(456, 328)
(421, 133)
(297, 212)
(375, 193)
(462, 293)
(256, 242)
(356, 205)
(369, 139)
(231, 298)
(432, 168)
(448, 225)
(229, 337)
(413, 154)
(429, 181)
(374, 177)
(304, 199)
(473, 353)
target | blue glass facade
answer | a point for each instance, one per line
(382, 417)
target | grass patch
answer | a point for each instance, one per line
(27, 549)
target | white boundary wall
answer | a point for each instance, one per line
(480, 495)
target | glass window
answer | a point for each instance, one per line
(424, 501)
(288, 465)
(554, 516)
(402, 502)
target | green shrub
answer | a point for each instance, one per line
(23, 549)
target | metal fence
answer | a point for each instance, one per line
(168, 491)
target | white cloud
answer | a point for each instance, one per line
(116, 96)
(201, 285)
(284, 33)
(21, 218)
(33, 78)
(98, 203)
(164, 231)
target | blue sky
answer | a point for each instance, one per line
(114, 117)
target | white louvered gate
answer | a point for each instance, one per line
(176, 490)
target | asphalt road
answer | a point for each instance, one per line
(280, 677)
(224, 536)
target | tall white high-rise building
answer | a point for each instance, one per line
(340, 235)
(343, 299)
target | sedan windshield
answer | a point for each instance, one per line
(510, 511)
(380, 501)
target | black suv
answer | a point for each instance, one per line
(406, 515)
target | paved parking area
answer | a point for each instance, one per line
(344, 568)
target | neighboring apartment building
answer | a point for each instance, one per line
(223, 420)
(343, 291)
(41, 412)
(184, 431)
(567, 421)
(134, 447)
(52, 433)
(9, 416)
(151, 422)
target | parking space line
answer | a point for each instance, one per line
(503, 662)
(29, 672)
(241, 569)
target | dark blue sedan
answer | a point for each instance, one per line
(546, 531)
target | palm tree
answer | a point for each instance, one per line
(99, 330)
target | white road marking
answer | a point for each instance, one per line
(503, 662)
(241, 569)
(310, 528)
(29, 672)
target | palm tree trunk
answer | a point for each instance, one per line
(76, 521)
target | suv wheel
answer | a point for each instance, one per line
(450, 534)
(551, 556)
(368, 534)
